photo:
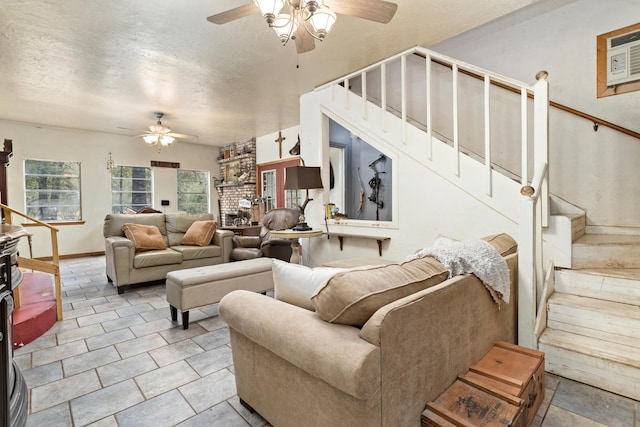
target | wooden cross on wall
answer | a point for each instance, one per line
(279, 141)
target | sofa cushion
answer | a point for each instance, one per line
(353, 296)
(504, 244)
(178, 223)
(113, 223)
(144, 237)
(199, 233)
(154, 258)
(198, 252)
(295, 283)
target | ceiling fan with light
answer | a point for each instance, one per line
(161, 135)
(305, 21)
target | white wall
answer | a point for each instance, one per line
(92, 149)
(267, 147)
(596, 171)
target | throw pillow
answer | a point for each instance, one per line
(199, 233)
(295, 283)
(504, 244)
(353, 296)
(144, 237)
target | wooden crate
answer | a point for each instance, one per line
(465, 404)
(515, 370)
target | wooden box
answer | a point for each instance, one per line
(465, 404)
(515, 370)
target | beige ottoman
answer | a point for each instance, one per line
(200, 286)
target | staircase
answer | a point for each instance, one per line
(593, 315)
(589, 326)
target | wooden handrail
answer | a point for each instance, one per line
(32, 264)
(596, 120)
(37, 221)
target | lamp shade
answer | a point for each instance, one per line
(302, 178)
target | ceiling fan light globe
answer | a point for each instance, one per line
(322, 21)
(150, 139)
(166, 140)
(285, 26)
(269, 9)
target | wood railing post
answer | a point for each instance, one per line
(526, 271)
(541, 136)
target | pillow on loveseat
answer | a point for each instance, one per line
(504, 244)
(353, 296)
(144, 237)
(295, 283)
(199, 233)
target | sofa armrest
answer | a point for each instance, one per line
(119, 253)
(328, 351)
(246, 241)
(276, 242)
(434, 335)
(223, 238)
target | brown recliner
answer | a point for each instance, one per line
(249, 247)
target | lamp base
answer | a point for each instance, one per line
(301, 226)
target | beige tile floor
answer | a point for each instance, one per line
(118, 360)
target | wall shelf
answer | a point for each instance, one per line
(235, 184)
(236, 158)
(341, 237)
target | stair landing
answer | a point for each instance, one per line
(37, 311)
(610, 251)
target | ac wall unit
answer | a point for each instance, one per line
(623, 58)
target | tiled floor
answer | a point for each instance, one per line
(118, 360)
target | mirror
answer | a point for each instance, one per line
(361, 177)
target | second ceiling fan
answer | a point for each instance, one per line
(305, 21)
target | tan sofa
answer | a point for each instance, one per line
(125, 266)
(294, 368)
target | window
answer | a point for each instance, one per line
(52, 190)
(193, 191)
(130, 188)
(268, 179)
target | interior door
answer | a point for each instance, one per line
(274, 169)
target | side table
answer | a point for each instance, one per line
(295, 243)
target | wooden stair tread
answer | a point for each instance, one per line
(632, 274)
(607, 239)
(616, 309)
(615, 352)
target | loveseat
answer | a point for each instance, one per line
(126, 264)
(297, 367)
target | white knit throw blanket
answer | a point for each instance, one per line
(472, 256)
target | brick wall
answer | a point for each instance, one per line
(241, 158)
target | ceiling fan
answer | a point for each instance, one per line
(307, 20)
(159, 134)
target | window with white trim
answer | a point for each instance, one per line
(130, 188)
(193, 191)
(52, 190)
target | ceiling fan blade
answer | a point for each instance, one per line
(182, 135)
(135, 130)
(373, 10)
(304, 41)
(233, 14)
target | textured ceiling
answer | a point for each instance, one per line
(102, 65)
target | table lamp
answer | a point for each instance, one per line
(302, 178)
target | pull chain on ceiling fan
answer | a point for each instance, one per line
(307, 20)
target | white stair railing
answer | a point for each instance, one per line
(534, 209)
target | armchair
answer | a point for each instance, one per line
(249, 247)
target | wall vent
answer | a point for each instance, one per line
(623, 58)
